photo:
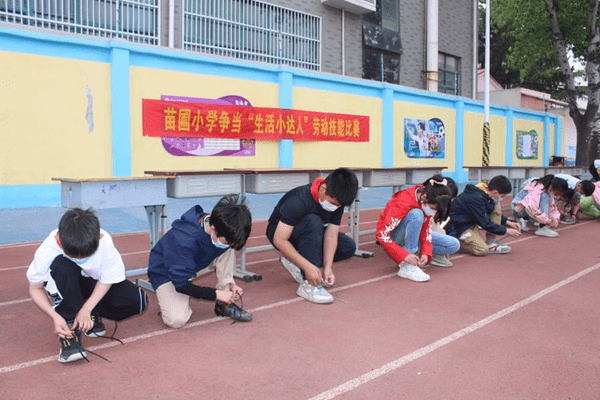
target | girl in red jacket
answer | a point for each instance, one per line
(404, 227)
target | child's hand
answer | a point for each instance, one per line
(314, 275)
(328, 277)
(513, 232)
(513, 225)
(412, 259)
(226, 296)
(237, 292)
(61, 328)
(83, 321)
(423, 261)
(553, 223)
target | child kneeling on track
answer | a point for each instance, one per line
(537, 201)
(197, 241)
(589, 204)
(479, 206)
(442, 260)
(404, 228)
(304, 226)
(77, 277)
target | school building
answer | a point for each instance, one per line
(75, 73)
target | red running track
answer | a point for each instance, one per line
(517, 326)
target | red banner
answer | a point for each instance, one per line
(179, 119)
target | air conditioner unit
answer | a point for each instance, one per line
(352, 6)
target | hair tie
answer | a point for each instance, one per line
(444, 182)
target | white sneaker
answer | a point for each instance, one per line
(546, 231)
(498, 248)
(412, 272)
(523, 225)
(314, 294)
(293, 269)
(441, 260)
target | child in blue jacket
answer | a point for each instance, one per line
(479, 206)
(195, 242)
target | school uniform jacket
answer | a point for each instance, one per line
(402, 203)
(531, 202)
(473, 207)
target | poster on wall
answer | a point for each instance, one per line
(192, 146)
(527, 145)
(424, 139)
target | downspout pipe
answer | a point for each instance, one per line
(432, 45)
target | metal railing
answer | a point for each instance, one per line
(253, 30)
(134, 20)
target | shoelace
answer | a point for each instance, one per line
(111, 338)
(239, 310)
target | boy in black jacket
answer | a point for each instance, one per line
(479, 206)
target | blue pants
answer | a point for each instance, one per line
(406, 235)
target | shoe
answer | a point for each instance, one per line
(498, 248)
(412, 272)
(71, 349)
(292, 269)
(441, 260)
(314, 294)
(546, 231)
(232, 311)
(567, 221)
(98, 329)
(523, 224)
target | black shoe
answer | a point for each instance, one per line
(232, 311)
(98, 329)
(71, 349)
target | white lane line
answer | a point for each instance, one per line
(394, 365)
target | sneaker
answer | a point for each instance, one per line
(412, 272)
(71, 349)
(293, 269)
(232, 311)
(441, 260)
(567, 221)
(546, 231)
(523, 225)
(314, 294)
(98, 329)
(498, 248)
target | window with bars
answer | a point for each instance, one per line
(133, 20)
(253, 30)
(448, 74)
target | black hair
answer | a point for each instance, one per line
(559, 184)
(342, 185)
(545, 180)
(451, 183)
(569, 193)
(79, 232)
(587, 187)
(232, 220)
(439, 194)
(500, 183)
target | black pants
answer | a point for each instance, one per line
(307, 238)
(594, 173)
(122, 300)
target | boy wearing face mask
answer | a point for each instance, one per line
(77, 277)
(304, 227)
(479, 206)
(195, 242)
(404, 228)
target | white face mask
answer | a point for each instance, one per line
(327, 206)
(428, 210)
(498, 200)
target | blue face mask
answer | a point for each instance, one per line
(498, 200)
(78, 261)
(218, 243)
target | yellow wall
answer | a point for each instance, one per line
(43, 124)
(336, 154)
(147, 153)
(527, 125)
(474, 139)
(404, 110)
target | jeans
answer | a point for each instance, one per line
(406, 235)
(544, 204)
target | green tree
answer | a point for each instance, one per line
(542, 33)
